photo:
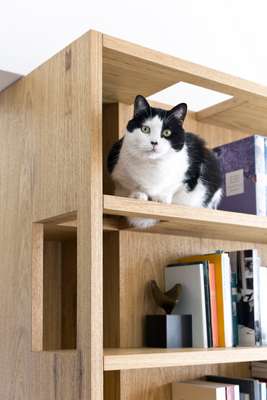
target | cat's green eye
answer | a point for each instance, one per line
(167, 132)
(145, 129)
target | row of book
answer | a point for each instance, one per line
(244, 169)
(225, 293)
(219, 388)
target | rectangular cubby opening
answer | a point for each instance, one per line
(131, 260)
(54, 287)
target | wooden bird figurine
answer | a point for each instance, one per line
(166, 300)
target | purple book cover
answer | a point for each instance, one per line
(242, 165)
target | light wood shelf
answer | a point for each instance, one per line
(129, 69)
(68, 112)
(182, 220)
(140, 358)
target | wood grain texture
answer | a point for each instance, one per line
(130, 69)
(155, 384)
(249, 116)
(37, 263)
(68, 294)
(90, 229)
(201, 222)
(52, 289)
(45, 121)
(140, 358)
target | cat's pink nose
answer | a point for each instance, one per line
(154, 143)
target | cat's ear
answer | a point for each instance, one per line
(179, 112)
(141, 106)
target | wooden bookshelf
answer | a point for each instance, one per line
(73, 273)
(142, 358)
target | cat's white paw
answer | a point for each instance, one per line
(139, 195)
(142, 223)
(164, 198)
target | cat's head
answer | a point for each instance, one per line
(152, 132)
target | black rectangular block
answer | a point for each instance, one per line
(167, 331)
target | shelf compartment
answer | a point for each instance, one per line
(54, 284)
(141, 358)
(129, 69)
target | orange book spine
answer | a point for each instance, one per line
(213, 306)
(219, 298)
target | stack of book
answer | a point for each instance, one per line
(223, 292)
(219, 388)
(244, 169)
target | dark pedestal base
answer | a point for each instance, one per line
(168, 331)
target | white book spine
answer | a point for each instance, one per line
(263, 304)
(193, 302)
(237, 392)
(227, 300)
(263, 390)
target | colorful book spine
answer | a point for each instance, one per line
(216, 259)
(207, 303)
(213, 305)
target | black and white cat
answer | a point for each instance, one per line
(157, 160)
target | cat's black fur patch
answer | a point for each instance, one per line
(203, 165)
(113, 155)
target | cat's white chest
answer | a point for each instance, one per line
(153, 177)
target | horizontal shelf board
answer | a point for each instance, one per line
(123, 359)
(180, 220)
(190, 221)
(233, 114)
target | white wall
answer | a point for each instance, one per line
(229, 35)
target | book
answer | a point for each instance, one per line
(250, 387)
(213, 305)
(263, 304)
(227, 300)
(246, 264)
(197, 391)
(221, 263)
(207, 303)
(234, 307)
(232, 391)
(243, 177)
(193, 301)
(263, 390)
